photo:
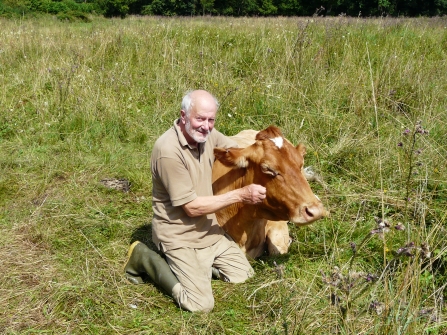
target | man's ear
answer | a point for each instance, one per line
(183, 116)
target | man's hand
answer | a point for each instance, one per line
(253, 194)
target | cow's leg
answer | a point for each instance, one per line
(277, 237)
(256, 233)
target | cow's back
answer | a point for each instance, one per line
(245, 138)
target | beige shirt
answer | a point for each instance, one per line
(181, 173)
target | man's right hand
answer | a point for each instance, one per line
(253, 194)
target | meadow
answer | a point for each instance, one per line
(81, 103)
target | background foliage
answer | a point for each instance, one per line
(77, 9)
(82, 103)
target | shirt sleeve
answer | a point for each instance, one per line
(176, 180)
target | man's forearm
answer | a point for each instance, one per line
(251, 194)
(211, 204)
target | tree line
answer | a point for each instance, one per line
(121, 8)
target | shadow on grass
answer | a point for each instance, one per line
(273, 261)
(143, 234)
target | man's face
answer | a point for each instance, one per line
(199, 125)
(200, 121)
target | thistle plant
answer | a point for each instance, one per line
(411, 157)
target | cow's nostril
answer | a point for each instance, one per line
(309, 212)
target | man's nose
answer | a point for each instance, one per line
(206, 125)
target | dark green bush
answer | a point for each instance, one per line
(72, 16)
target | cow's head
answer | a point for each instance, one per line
(272, 161)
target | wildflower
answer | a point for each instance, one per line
(418, 151)
(429, 313)
(376, 306)
(383, 227)
(406, 131)
(407, 250)
(353, 247)
(400, 144)
(375, 231)
(371, 277)
(354, 275)
(399, 226)
(279, 269)
(382, 223)
(335, 279)
(419, 129)
(425, 251)
(424, 312)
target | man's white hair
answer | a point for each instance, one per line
(187, 102)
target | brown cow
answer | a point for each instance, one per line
(268, 159)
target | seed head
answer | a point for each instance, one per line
(399, 226)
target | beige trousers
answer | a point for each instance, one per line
(193, 270)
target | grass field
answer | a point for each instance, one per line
(84, 102)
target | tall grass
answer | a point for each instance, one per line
(84, 102)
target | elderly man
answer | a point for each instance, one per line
(184, 226)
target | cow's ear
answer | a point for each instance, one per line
(232, 157)
(268, 133)
(301, 149)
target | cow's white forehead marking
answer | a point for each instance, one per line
(278, 141)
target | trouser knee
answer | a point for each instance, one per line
(205, 304)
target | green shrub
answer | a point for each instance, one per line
(72, 16)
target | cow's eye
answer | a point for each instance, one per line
(268, 170)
